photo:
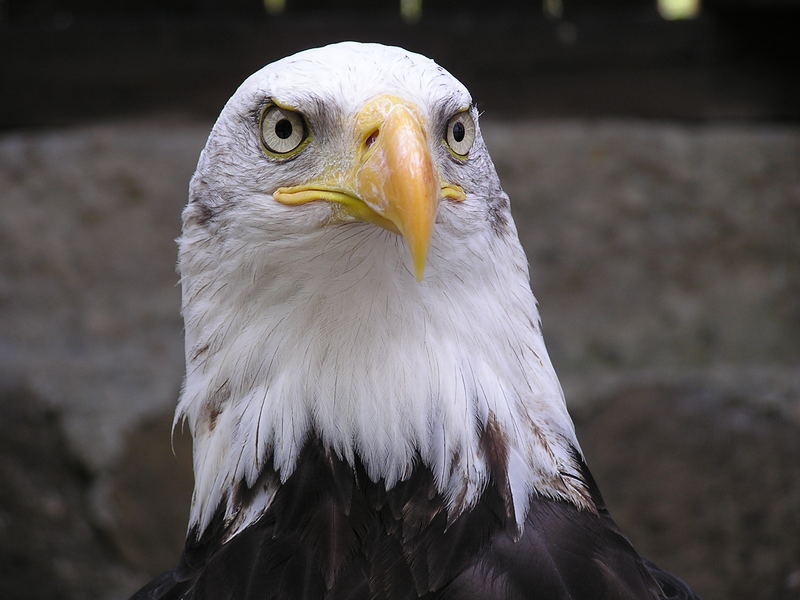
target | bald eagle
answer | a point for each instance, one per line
(373, 409)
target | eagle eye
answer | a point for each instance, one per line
(460, 133)
(283, 132)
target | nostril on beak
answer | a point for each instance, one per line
(371, 139)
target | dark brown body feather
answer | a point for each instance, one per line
(333, 534)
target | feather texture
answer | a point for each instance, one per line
(333, 533)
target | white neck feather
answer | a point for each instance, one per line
(351, 348)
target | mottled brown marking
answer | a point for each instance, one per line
(243, 495)
(199, 351)
(214, 404)
(497, 215)
(213, 413)
(494, 445)
(199, 213)
(571, 487)
(455, 462)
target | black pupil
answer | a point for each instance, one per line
(458, 131)
(283, 129)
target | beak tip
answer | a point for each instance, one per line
(418, 249)
(419, 271)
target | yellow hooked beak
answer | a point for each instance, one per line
(392, 182)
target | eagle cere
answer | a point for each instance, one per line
(373, 409)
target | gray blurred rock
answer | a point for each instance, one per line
(146, 497)
(704, 481)
(50, 545)
(88, 287)
(665, 258)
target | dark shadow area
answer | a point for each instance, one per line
(74, 61)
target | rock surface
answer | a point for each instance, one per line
(50, 544)
(665, 258)
(88, 285)
(703, 479)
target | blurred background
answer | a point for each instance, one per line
(651, 149)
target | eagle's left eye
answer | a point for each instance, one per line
(283, 131)
(460, 133)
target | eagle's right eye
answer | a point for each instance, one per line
(283, 132)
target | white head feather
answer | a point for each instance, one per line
(295, 327)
